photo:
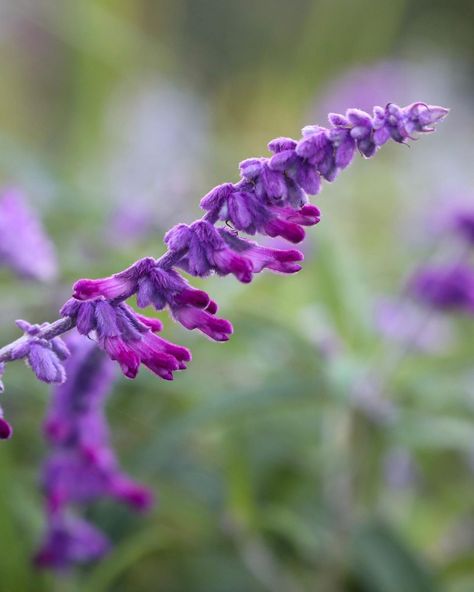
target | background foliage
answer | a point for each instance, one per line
(310, 452)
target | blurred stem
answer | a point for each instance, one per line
(66, 582)
(337, 490)
(244, 527)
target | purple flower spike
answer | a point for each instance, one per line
(24, 246)
(271, 198)
(82, 466)
(69, 541)
(446, 288)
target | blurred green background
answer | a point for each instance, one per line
(311, 452)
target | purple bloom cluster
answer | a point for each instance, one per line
(82, 466)
(127, 337)
(271, 198)
(24, 246)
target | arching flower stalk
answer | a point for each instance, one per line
(271, 198)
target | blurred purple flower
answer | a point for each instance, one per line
(70, 540)
(82, 465)
(448, 287)
(463, 223)
(24, 246)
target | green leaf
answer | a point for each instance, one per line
(383, 563)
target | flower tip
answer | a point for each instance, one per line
(140, 499)
(84, 289)
(212, 307)
(438, 113)
(6, 430)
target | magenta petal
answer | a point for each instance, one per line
(6, 429)
(288, 230)
(229, 262)
(118, 351)
(193, 297)
(135, 495)
(215, 328)
(154, 324)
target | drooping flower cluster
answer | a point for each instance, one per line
(127, 337)
(81, 466)
(271, 198)
(24, 246)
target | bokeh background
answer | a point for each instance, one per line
(329, 446)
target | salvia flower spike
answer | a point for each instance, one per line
(270, 198)
(81, 466)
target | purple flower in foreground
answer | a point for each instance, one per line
(446, 288)
(24, 246)
(70, 540)
(270, 198)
